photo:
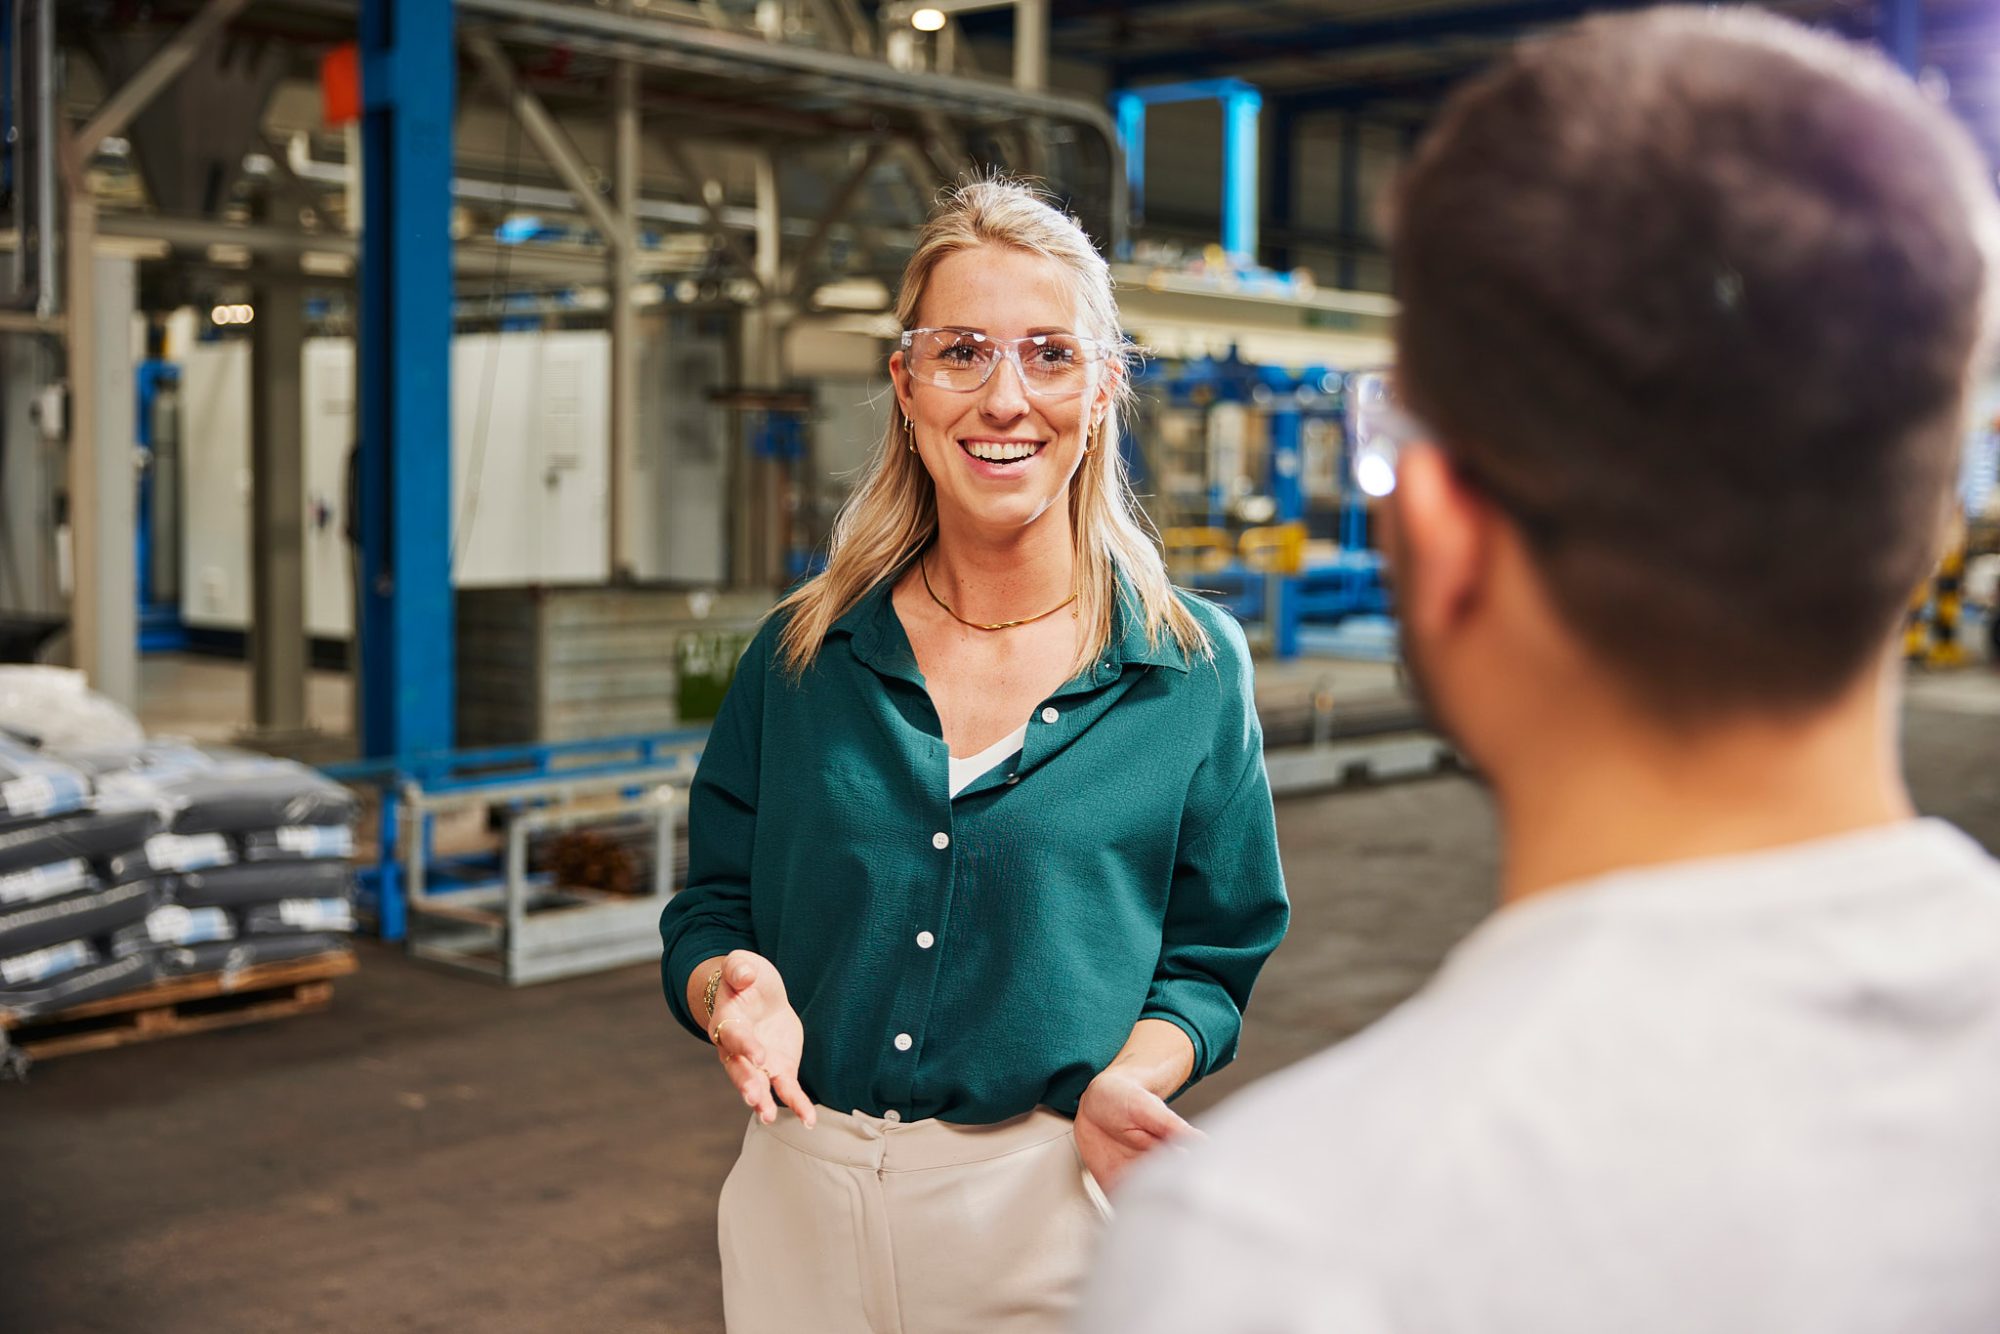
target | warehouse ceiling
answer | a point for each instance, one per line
(1395, 59)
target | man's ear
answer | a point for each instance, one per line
(1443, 531)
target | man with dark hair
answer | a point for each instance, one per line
(1691, 303)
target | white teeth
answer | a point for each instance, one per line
(993, 451)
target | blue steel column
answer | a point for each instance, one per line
(1132, 134)
(1287, 483)
(1239, 190)
(403, 371)
(1903, 33)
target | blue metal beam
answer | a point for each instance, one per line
(408, 78)
(1241, 149)
(1131, 112)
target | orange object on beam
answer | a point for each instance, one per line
(340, 85)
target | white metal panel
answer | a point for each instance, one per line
(530, 458)
(328, 436)
(215, 449)
(530, 453)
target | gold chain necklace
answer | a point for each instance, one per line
(924, 570)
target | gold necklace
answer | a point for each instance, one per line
(924, 570)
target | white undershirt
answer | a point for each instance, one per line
(964, 771)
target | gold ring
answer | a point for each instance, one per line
(715, 1034)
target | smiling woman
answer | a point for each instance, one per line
(982, 862)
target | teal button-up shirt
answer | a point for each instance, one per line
(971, 958)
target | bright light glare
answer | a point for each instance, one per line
(1375, 474)
(233, 314)
(927, 20)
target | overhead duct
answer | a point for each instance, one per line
(190, 142)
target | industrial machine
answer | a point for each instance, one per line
(1255, 485)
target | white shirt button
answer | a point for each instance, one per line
(940, 840)
(1013, 778)
(1049, 714)
(904, 1041)
(925, 940)
(892, 1116)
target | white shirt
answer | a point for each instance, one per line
(964, 771)
(1753, 1094)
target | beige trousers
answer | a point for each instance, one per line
(864, 1226)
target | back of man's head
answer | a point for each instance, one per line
(1695, 297)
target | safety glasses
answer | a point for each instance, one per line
(1055, 365)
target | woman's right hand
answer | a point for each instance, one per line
(758, 1036)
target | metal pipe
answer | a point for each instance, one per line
(277, 507)
(1031, 45)
(624, 310)
(548, 136)
(48, 118)
(674, 46)
(165, 66)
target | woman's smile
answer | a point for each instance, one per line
(1000, 456)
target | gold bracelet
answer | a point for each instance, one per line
(708, 993)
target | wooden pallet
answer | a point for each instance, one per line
(184, 1005)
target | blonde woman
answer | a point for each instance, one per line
(982, 862)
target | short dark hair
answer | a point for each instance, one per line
(1696, 296)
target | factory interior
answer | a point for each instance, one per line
(408, 414)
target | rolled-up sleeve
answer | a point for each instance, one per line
(1226, 909)
(711, 914)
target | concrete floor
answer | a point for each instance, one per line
(435, 1154)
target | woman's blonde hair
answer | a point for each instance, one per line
(892, 515)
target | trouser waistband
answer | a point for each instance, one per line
(856, 1139)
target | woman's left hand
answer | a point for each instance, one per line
(1119, 1121)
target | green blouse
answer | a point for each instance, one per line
(971, 958)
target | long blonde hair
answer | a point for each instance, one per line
(892, 515)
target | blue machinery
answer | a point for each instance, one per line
(1241, 106)
(1270, 571)
(517, 779)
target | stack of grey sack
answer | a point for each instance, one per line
(252, 857)
(58, 909)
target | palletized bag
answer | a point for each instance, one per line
(231, 956)
(288, 915)
(171, 924)
(39, 965)
(39, 883)
(264, 882)
(75, 917)
(169, 854)
(253, 794)
(108, 827)
(95, 981)
(34, 785)
(306, 842)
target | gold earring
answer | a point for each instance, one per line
(910, 434)
(1087, 428)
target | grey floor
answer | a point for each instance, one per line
(435, 1154)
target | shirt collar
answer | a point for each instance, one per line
(880, 642)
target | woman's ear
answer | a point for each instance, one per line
(1105, 400)
(899, 381)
